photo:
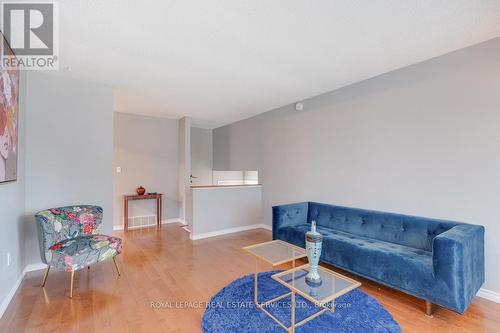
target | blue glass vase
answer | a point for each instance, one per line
(314, 242)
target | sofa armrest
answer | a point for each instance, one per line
(291, 214)
(458, 260)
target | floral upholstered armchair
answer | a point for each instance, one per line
(69, 240)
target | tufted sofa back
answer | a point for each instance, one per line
(57, 224)
(412, 231)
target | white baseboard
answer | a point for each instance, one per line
(229, 231)
(166, 221)
(10, 295)
(34, 267)
(489, 295)
(12, 292)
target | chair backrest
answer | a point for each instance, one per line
(57, 224)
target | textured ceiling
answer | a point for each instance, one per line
(221, 61)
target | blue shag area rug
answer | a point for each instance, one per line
(232, 310)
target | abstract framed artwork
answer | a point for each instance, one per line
(9, 115)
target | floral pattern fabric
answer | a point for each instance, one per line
(69, 240)
(76, 253)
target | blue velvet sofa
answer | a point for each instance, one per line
(439, 261)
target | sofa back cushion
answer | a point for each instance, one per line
(412, 231)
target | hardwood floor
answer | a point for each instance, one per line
(167, 269)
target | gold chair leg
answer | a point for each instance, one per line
(45, 276)
(116, 266)
(72, 284)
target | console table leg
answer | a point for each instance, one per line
(292, 328)
(125, 214)
(161, 209)
(158, 223)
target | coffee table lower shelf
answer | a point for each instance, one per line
(294, 325)
(294, 279)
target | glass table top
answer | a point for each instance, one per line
(276, 252)
(332, 284)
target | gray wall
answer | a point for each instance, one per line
(146, 149)
(184, 168)
(201, 155)
(423, 140)
(12, 214)
(239, 146)
(69, 149)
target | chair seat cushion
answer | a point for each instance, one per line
(76, 253)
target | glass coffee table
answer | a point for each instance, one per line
(332, 285)
(275, 253)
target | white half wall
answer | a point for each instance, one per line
(220, 210)
(423, 140)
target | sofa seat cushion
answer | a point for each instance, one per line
(392, 264)
(76, 253)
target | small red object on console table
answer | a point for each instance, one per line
(155, 196)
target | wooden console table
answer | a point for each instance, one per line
(157, 197)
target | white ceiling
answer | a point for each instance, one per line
(221, 61)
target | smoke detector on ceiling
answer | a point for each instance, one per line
(299, 106)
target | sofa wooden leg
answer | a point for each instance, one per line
(428, 308)
(45, 276)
